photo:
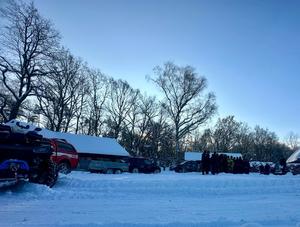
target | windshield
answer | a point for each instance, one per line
(183, 162)
(148, 162)
(294, 157)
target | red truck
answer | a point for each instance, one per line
(64, 155)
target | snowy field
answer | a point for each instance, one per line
(166, 199)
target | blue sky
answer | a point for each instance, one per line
(248, 50)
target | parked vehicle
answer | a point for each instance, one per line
(25, 155)
(64, 155)
(108, 167)
(259, 167)
(293, 163)
(142, 165)
(187, 166)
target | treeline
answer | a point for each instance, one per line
(44, 83)
(229, 135)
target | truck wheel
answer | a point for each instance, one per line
(109, 171)
(64, 168)
(118, 171)
(157, 171)
(47, 175)
(52, 174)
(135, 170)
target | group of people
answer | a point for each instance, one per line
(221, 163)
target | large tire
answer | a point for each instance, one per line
(135, 170)
(157, 171)
(52, 174)
(47, 175)
(118, 171)
(109, 171)
(64, 168)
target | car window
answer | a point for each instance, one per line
(65, 147)
(148, 162)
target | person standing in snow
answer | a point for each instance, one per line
(267, 169)
(230, 164)
(205, 162)
(282, 163)
(214, 163)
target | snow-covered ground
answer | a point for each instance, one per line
(166, 199)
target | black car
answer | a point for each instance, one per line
(142, 165)
(187, 166)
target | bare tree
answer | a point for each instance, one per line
(60, 93)
(99, 90)
(27, 42)
(185, 102)
(203, 141)
(149, 111)
(160, 139)
(5, 104)
(121, 100)
(292, 140)
(264, 142)
(139, 122)
(225, 134)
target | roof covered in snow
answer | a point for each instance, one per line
(82, 143)
(189, 156)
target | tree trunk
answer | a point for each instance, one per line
(14, 111)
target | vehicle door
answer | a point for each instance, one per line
(65, 151)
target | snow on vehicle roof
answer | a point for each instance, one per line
(294, 157)
(83, 143)
(189, 156)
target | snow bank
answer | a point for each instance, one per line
(167, 199)
(82, 143)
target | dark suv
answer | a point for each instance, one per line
(142, 165)
(187, 166)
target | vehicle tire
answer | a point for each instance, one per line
(64, 168)
(109, 171)
(47, 175)
(118, 171)
(135, 170)
(157, 171)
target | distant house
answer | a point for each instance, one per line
(195, 155)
